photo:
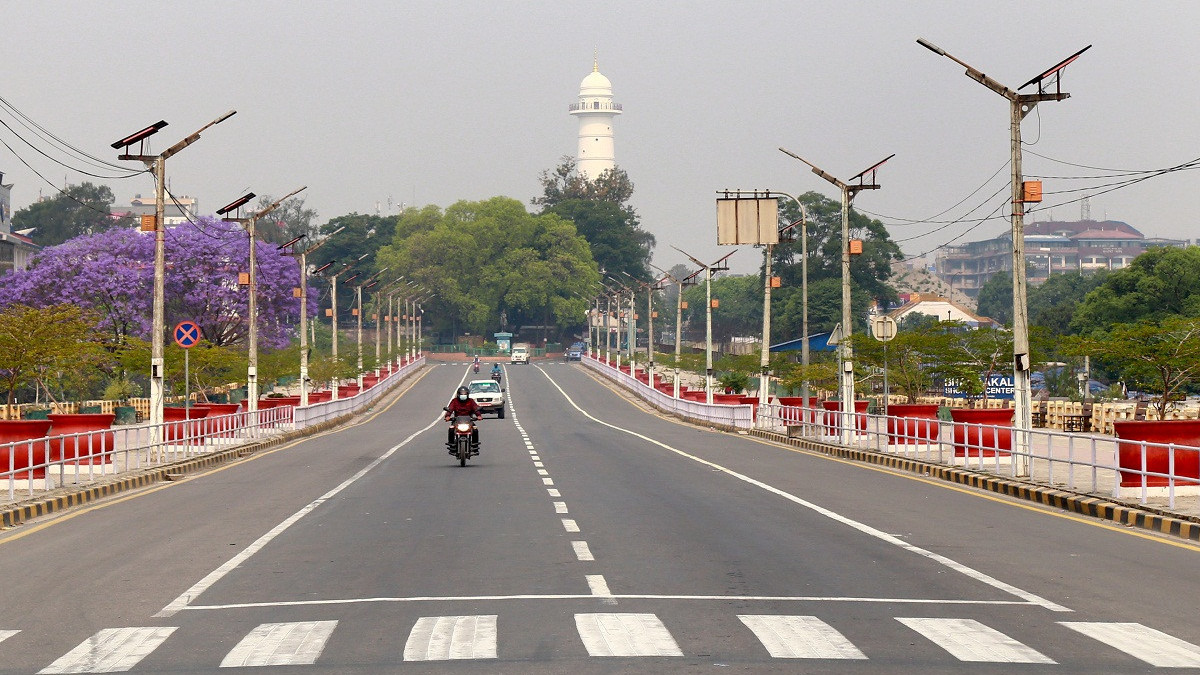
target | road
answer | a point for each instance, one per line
(590, 536)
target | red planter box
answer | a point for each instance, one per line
(21, 430)
(913, 422)
(226, 425)
(88, 448)
(347, 390)
(972, 440)
(833, 416)
(184, 423)
(1158, 459)
(319, 396)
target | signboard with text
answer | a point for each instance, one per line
(999, 386)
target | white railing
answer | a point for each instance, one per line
(30, 467)
(1086, 463)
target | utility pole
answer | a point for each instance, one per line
(718, 266)
(680, 283)
(846, 390)
(158, 163)
(252, 313)
(302, 259)
(1020, 105)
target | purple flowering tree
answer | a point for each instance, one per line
(112, 273)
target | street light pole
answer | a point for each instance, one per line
(1019, 105)
(158, 163)
(708, 360)
(303, 260)
(844, 349)
(678, 320)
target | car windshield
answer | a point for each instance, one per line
(484, 387)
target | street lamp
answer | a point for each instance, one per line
(252, 313)
(1019, 105)
(159, 165)
(844, 349)
(681, 283)
(630, 322)
(366, 283)
(303, 261)
(719, 266)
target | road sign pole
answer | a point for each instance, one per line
(187, 365)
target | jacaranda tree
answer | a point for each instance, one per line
(112, 274)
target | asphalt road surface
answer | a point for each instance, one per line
(591, 536)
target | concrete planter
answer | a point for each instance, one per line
(912, 423)
(1136, 435)
(88, 448)
(982, 432)
(23, 455)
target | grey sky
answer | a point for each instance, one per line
(432, 102)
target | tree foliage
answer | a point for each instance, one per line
(287, 221)
(112, 274)
(911, 357)
(1161, 356)
(995, 299)
(46, 345)
(77, 210)
(492, 259)
(1159, 283)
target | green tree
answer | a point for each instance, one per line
(739, 310)
(1052, 304)
(1159, 283)
(288, 220)
(48, 344)
(77, 210)
(1161, 356)
(910, 357)
(972, 356)
(601, 212)
(995, 299)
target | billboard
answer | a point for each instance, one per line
(998, 386)
(747, 221)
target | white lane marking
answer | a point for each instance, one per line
(112, 650)
(533, 452)
(627, 596)
(800, 637)
(216, 575)
(560, 507)
(536, 463)
(1141, 642)
(625, 635)
(971, 573)
(970, 640)
(281, 644)
(570, 525)
(547, 481)
(442, 638)
(543, 472)
(598, 585)
(582, 552)
(553, 493)
(5, 634)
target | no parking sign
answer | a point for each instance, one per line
(187, 334)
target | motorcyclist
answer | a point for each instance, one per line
(462, 404)
(476, 364)
(496, 372)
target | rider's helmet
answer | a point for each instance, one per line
(464, 393)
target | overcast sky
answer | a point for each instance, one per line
(372, 103)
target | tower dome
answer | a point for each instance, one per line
(595, 110)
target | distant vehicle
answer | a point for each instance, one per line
(520, 353)
(489, 395)
(574, 353)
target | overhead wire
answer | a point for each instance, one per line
(26, 121)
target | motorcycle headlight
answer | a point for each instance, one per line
(464, 427)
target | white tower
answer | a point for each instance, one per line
(595, 111)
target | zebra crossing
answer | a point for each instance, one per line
(614, 634)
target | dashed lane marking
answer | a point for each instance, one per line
(582, 552)
(281, 644)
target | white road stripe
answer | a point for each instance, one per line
(553, 492)
(582, 551)
(560, 507)
(1141, 642)
(625, 635)
(969, 572)
(112, 650)
(543, 472)
(5, 634)
(537, 463)
(233, 563)
(598, 585)
(442, 638)
(547, 481)
(969, 640)
(533, 452)
(570, 525)
(281, 644)
(800, 637)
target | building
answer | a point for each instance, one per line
(938, 307)
(15, 248)
(595, 110)
(175, 211)
(1050, 248)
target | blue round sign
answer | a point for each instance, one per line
(187, 334)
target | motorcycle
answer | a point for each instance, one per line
(496, 376)
(464, 431)
(476, 366)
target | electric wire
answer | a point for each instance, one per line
(129, 173)
(29, 123)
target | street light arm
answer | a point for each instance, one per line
(321, 243)
(195, 136)
(972, 72)
(279, 201)
(815, 169)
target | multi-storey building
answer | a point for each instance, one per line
(1050, 248)
(15, 248)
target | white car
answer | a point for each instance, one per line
(489, 395)
(520, 355)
